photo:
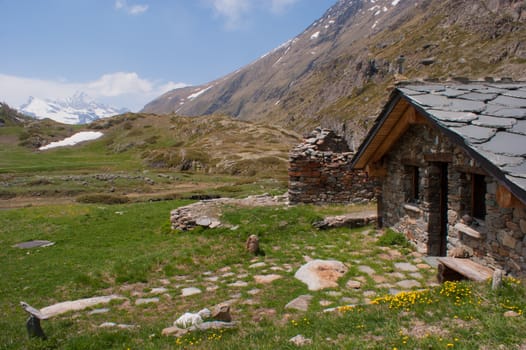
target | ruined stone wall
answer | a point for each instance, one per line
(320, 172)
(497, 241)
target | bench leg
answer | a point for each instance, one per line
(34, 330)
(444, 273)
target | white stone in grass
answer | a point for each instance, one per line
(186, 292)
(301, 303)
(408, 284)
(159, 290)
(188, 320)
(321, 274)
(416, 275)
(258, 265)
(406, 267)
(143, 301)
(77, 305)
(366, 269)
(300, 340)
(353, 284)
(99, 311)
(266, 279)
(238, 284)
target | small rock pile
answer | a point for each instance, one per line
(219, 318)
(347, 220)
(206, 213)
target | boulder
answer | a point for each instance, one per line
(222, 313)
(321, 274)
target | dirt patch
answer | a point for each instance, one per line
(420, 329)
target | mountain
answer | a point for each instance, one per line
(78, 109)
(337, 71)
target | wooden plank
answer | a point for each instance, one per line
(506, 199)
(394, 134)
(467, 268)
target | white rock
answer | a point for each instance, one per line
(188, 320)
(146, 301)
(321, 274)
(300, 340)
(265, 279)
(190, 291)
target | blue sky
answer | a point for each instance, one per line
(127, 52)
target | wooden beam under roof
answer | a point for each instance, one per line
(394, 129)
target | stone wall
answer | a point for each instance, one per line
(320, 172)
(498, 240)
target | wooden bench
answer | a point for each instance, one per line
(455, 269)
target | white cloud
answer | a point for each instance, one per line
(232, 10)
(280, 6)
(121, 89)
(236, 12)
(130, 9)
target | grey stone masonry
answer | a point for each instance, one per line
(452, 160)
(498, 240)
(320, 172)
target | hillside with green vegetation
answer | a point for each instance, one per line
(142, 155)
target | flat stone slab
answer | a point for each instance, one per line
(239, 284)
(266, 279)
(408, 284)
(258, 265)
(366, 269)
(406, 267)
(353, 284)
(159, 290)
(34, 244)
(143, 301)
(99, 311)
(190, 291)
(301, 303)
(321, 274)
(117, 325)
(77, 305)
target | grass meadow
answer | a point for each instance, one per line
(129, 249)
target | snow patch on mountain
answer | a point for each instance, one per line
(78, 109)
(74, 139)
(198, 93)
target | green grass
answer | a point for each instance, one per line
(129, 249)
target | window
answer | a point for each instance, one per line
(412, 178)
(478, 196)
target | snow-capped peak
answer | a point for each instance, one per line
(77, 109)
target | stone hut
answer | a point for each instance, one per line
(320, 172)
(451, 159)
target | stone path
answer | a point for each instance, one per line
(244, 284)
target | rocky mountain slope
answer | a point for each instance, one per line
(77, 109)
(337, 71)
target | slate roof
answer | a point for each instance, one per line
(486, 119)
